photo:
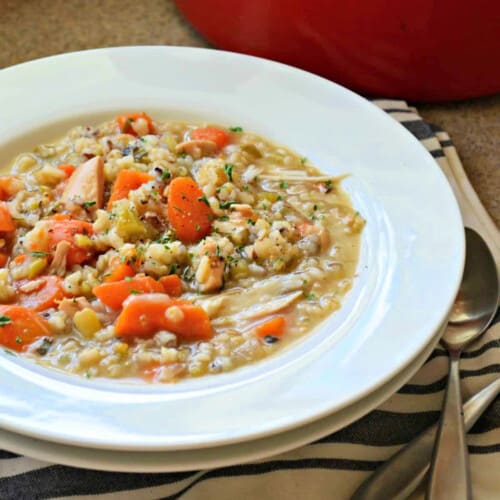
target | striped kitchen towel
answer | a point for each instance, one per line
(333, 467)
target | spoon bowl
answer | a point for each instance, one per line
(477, 299)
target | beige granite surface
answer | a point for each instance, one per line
(35, 28)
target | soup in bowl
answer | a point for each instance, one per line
(164, 250)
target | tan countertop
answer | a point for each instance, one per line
(35, 28)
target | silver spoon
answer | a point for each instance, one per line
(472, 312)
(477, 299)
(399, 477)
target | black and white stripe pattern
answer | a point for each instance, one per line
(332, 467)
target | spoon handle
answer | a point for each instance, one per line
(403, 472)
(450, 475)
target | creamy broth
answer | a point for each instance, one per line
(166, 250)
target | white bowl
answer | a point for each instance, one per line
(409, 270)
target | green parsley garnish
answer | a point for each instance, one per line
(187, 274)
(235, 129)
(228, 168)
(226, 204)
(283, 185)
(303, 160)
(133, 291)
(204, 199)
(251, 222)
(224, 217)
(128, 278)
(165, 175)
(39, 255)
(198, 228)
(311, 296)
(5, 320)
(328, 186)
(88, 204)
(166, 238)
(10, 353)
(19, 340)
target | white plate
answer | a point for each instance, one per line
(410, 266)
(220, 456)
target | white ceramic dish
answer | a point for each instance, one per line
(410, 265)
(220, 456)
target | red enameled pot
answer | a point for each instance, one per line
(427, 50)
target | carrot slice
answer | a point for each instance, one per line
(172, 285)
(126, 181)
(67, 169)
(119, 271)
(20, 327)
(194, 324)
(189, 215)
(114, 293)
(274, 327)
(46, 295)
(126, 121)
(9, 186)
(65, 229)
(214, 134)
(60, 217)
(144, 315)
(20, 259)
(6, 222)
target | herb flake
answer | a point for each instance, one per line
(226, 204)
(228, 168)
(270, 339)
(43, 349)
(204, 199)
(5, 320)
(39, 255)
